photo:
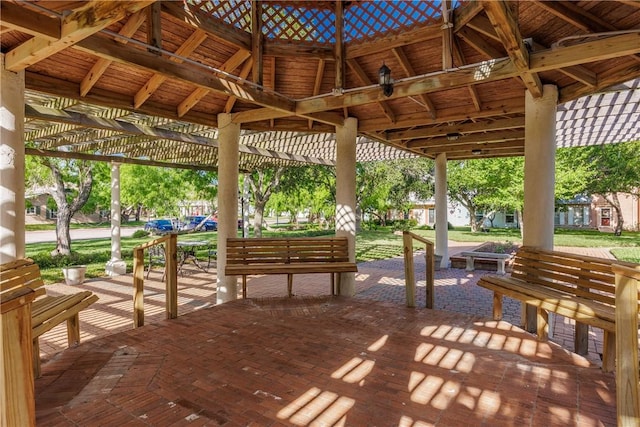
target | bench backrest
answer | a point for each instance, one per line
(19, 273)
(287, 250)
(580, 275)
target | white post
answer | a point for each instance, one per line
(115, 266)
(442, 218)
(228, 154)
(346, 195)
(539, 177)
(539, 168)
(12, 214)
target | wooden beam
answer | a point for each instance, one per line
(101, 65)
(447, 35)
(507, 29)
(107, 49)
(244, 72)
(230, 64)
(187, 48)
(339, 51)
(383, 44)
(154, 28)
(183, 11)
(578, 17)
(478, 43)
(493, 137)
(608, 78)
(61, 116)
(466, 128)
(79, 24)
(256, 42)
(272, 81)
(471, 147)
(21, 19)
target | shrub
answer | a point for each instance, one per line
(138, 234)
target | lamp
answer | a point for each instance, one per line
(384, 78)
(476, 151)
(453, 136)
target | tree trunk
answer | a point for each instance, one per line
(258, 215)
(63, 236)
(615, 202)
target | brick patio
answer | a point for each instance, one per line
(317, 360)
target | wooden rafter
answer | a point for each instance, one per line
(36, 24)
(365, 81)
(101, 65)
(76, 26)
(154, 28)
(507, 29)
(230, 64)
(409, 71)
(339, 46)
(317, 83)
(466, 128)
(256, 42)
(187, 48)
(498, 136)
(244, 72)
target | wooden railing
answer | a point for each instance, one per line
(171, 278)
(627, 377)
(409, 268)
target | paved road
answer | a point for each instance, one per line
(76, 234)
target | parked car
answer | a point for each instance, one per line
(159, 226)
(193, 221)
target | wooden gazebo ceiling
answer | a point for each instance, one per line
(145, 80)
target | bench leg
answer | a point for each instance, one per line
(609, 352)
(73, 330)
(333, 284)
(543, 324)
(501, 267)
(497, 306)
(338, 279)
(244, 286)
(290, 284)
(36, 358)
(470, 264)
(581, 339)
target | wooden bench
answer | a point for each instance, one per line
(499, 258)
(46, 311)
(289, 256)
(579, 287)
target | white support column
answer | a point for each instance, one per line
(346, 195)
(228, 140)
(442, 218)
(539, 177)
(115, 266)
(12, 195)
(539, 168)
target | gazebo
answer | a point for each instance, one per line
(235, 85)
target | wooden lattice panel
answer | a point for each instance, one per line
(296, 23)
(370, 19)
(233, 12)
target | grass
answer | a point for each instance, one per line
(370, 245)
(73, 225)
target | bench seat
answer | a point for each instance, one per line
(259, 256)
(578, 287)
(47, 311)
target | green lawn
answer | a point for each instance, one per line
(370, 245)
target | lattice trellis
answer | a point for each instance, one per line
(310, 22)
(368, 19)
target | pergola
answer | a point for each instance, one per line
(235, 85)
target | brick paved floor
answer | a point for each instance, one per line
(316, 360)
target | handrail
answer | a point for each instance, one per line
(627, 377)
(409, 268)
(171, 278)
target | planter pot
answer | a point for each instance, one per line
(74, 275)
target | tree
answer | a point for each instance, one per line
(263, 182)
(612, 169)
(71, 182)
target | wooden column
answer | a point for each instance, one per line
(228, 139)
(256, 42)
(171, 276)
(339, 47)
(16, 376)
(627, 378)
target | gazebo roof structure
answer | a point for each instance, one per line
(144, 80)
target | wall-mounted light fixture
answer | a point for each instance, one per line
(476, 151)
(453, 136)
(384, 78)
